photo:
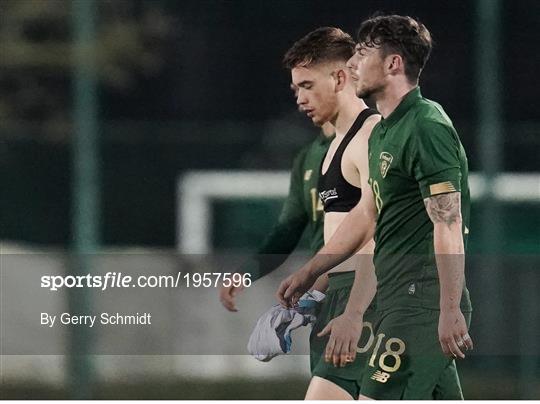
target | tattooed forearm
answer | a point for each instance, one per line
(444, 208)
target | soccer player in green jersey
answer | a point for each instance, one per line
(418, 213)
(302, 210)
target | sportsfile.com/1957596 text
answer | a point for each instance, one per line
(113, 280)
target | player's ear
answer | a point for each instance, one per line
(394, 64)
(340, 78)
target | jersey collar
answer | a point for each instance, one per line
(406, 103)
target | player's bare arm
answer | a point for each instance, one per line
(345, 330)
(321, 284)
(356, 230)
(444, 211)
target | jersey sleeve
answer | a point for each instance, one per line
(435, 159)
(294, 208)
(286, 233)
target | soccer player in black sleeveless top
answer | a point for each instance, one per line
(325, 92)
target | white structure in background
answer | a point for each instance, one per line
(196, 190)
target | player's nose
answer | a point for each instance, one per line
(301, 100)
(351, 63)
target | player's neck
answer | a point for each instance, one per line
(328, 130)
(388, 100)
(347, 114)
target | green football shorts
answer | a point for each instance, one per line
(337, 295)
(407, 361)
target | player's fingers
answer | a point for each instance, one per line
(235, 291)
(289, 289)
(326, 330)
(454, 348)
(281, 290)
(329, 351)
(468, 342)
(352, 352)
(295, 297)
(336, 355)
(226, 299)
(445, 349)
(450, 353)
(224, 292)
(460, 344)
(280, 294)
(345, 356)
(229, 305)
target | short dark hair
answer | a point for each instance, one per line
(398, 34)
(325, 44)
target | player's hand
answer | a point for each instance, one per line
(294, 286)
(453, 334)
(227, 296)
(345, 331)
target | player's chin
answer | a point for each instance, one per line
(317, 121)
(366, 91)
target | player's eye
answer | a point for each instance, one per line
(361, 51)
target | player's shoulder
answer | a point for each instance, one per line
(367, 127)
(371, 121)
(305, 149)
(359, 143)
(431, 113)
(300, 156)
(430, 120)
(309, 147)
(308, 153)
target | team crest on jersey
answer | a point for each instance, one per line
(307, 175)
(385, 159)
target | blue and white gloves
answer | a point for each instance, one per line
(272, 333)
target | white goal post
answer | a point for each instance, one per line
(196, 190)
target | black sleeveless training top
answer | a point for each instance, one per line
(338, 195)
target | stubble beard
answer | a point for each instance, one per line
(369, 92)
(371, 89)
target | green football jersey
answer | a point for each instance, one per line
(302, 211)
(414, 153)
(303, 197)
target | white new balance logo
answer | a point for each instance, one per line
(381, 377)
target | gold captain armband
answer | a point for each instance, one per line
(441, 188)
